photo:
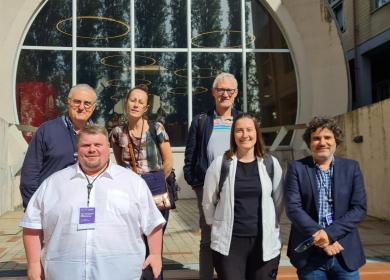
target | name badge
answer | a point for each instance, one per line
(86, 219)
(329, 219)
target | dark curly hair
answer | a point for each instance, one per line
(323, 122)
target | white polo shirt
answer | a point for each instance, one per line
(114, 249)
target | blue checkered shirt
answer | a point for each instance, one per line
(324, 180)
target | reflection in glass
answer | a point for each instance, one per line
(260, 23)
(42, 85)
(103, 23)
(206, 66)
(43, 30)
(160, 24)
(168, 93)
(271, 89)
(218, 25)
(110, 80)
(270, 78)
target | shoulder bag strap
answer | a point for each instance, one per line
(225, 166)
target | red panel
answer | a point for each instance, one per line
(36, 104)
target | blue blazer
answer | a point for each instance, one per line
(302, 204)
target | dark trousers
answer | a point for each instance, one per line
(244, 261)
(206, 268)
(165, 214)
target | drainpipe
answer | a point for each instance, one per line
(356, 63)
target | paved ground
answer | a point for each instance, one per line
(181, 243)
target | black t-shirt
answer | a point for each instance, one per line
(247, 200)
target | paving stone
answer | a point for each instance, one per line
(181, 246)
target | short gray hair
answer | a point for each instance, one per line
(224, 76)
(82, 87)
(93, 129)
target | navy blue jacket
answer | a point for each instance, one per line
(52, 148)
(302, 204)
(195, 161)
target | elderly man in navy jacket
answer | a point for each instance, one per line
(54, 145)
(209, 137)
(325, 199)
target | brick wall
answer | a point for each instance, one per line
(370, 22)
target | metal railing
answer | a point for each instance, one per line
(281, 131)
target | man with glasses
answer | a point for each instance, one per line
(209, 137)
(54, 145)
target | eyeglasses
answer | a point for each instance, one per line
(77, 103)
(229, 91)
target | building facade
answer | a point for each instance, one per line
(286, 55)
(365, 33)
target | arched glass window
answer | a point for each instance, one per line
(176, 47)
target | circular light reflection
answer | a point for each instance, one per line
(107, 61)
(183, 73)
(121, 83)
(59, 26)
(183, 90)
(194, 39)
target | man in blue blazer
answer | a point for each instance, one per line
(325, 199)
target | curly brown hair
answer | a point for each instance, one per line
(323, 122)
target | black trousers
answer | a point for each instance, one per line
(148, 274)
(244, 261)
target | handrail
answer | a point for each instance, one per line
(281, 131)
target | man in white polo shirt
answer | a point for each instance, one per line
(87, 220)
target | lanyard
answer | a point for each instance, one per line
(90, 184)
(140, 140)
(139, 144)
(72, 135)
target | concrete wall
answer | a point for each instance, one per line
(371, 122)
(11, 156)
(14, 17)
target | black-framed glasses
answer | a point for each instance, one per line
(78, 102)
(229, 91)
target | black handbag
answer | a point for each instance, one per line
(147, 274)
(173, 188)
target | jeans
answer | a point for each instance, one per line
(206, 267)
(332, 269)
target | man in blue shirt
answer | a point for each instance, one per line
(325, 199)
(54, 145)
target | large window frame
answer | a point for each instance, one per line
(132, 50)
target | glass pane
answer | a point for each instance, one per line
(205, 67)
(46, 28)
(103, 23)
(262, 31)
(167, 90)
(272, 89)
(43, 81)
(109, 73)
(160, 24)
(216, 24)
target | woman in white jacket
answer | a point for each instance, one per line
(244, 213)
